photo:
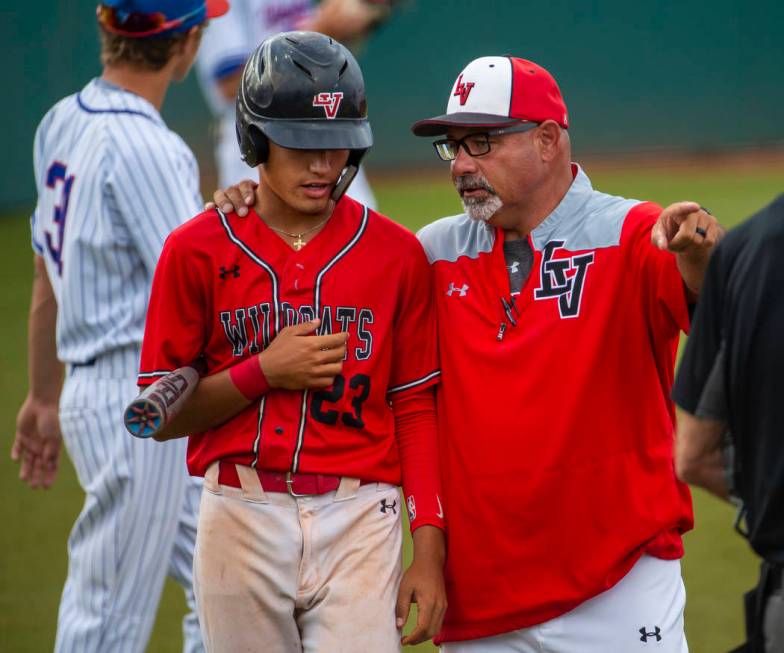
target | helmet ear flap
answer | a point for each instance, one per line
(254, 146)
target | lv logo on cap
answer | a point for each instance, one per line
(463, 89)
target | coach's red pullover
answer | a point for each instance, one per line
(556, 427)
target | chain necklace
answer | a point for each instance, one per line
(298, 243)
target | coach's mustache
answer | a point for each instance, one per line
(473, 182)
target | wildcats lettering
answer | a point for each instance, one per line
(249, 328)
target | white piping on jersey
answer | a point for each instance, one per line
(414, 383)
(276, 304)
(258, 261)
(317, 305)
(338, 256)
(147, 375)
(257, 441)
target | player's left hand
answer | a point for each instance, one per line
(238, 198)
(686, 227)
(37, 443)
(423, 584)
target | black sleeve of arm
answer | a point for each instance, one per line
(701, 364)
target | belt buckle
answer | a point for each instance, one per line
(290, 487)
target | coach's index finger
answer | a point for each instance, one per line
(669, 221)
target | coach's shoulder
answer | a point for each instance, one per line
(450, 238)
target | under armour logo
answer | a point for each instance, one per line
(453, 289)
(388, 506)
(563, 278)
(645, 634)
(330, 102)
(514, 268)
(225, 272)
(463, 89)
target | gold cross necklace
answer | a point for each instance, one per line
(298, 243)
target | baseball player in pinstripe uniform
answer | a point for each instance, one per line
(112, 182)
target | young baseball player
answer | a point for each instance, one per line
(228, 44)
(112, 182)
(314, 319)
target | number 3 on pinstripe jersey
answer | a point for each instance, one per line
(57, 174)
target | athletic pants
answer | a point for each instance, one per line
(138, 522)
(643, 612)
(279, 574)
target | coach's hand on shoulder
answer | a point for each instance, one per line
(37, 443)
(423, 584)
(235, 198)
(298, 360)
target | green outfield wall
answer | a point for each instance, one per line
(686, 76)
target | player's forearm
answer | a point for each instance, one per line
(429, 546)
(415, 431)
(45, 371)
(215, 401)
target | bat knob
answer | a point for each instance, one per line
(143, 418)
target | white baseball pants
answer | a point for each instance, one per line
(280, 574)
(138, 523)
(642, 613)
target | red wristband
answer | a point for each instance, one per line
(249, 379)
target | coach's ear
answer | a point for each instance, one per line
(235, 198)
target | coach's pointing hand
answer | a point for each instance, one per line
(691, 232)
(298, 360)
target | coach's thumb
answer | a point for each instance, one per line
(402, 609)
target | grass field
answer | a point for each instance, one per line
(34, 526)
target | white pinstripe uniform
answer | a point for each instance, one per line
(225, 47)
(112, 182)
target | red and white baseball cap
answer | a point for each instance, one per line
(498, 91)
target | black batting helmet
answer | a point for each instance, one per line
(302, 90)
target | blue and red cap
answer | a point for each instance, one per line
(142, 19)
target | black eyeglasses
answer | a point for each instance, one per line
(476, 144)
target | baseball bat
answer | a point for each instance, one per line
(159, 403)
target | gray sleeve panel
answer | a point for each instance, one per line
(583, 222)
(450, 238)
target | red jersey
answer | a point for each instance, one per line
(225, 286)
(555, 422)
